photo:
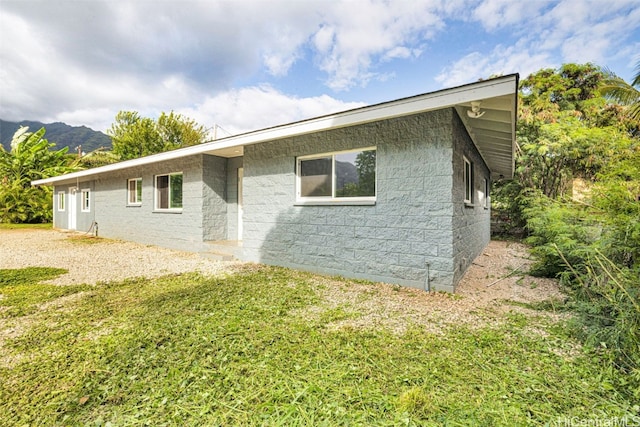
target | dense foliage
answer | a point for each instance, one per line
(627, 94)
(570, 133)
(31, 157)
(134, 136)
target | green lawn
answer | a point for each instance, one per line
(244, 350)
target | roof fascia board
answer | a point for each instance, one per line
(413, 105)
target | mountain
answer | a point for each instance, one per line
(62, 134)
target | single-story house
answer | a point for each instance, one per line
(396, 192)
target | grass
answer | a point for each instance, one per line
(22, 290)
(239, 350)
(86, 239)
(9, 226)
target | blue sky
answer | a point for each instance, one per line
(250, 64)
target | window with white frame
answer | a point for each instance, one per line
(169, 191)
(61, 200)
(487, 189)
(134, 190)
(468, 181)
(86, 201)
(338, 176)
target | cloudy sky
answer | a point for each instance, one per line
(249, 64)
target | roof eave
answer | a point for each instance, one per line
(406, 106)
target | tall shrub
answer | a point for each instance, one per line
(31, 157)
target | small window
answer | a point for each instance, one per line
(468, 181)
(340, 176)
(135, 191)
(487, 189)
(169, 191)
(86, 201)
(61, 200)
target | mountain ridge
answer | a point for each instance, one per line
(62, 134)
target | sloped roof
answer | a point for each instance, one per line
(493, 133)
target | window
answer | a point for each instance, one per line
(86, 202)
(487, 189)
(468, 181)
(340, 176)
(135, 191)
(169, 191)
(61, 200)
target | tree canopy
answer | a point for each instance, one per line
(618, 90)
(134, 136)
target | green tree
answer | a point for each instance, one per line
(566, 129)
(616, 89)
(31, 157)
(134, 136)
(177, 131)
(97, 158)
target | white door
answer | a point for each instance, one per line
(240, 175)
(72, 208)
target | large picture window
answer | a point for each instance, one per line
(134, 191)
(339, 176)
(169, 191)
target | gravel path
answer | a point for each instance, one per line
(90, 261)
(495, 280)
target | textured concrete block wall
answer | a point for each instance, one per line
(182, 230)
(471, 223)
(214, 194)
(406, 235)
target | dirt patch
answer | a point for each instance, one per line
(495, 280)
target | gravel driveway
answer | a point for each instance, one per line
(488, 280)
(90, 261)
(495, 279)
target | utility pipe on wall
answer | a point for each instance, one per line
(427, 284)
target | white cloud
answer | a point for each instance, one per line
(401, 52)
(83, 61)
(76, 60)
(550, 33)
(259, 107)
(495, 14)
(500, 61)
(355, 35)
(467, 69)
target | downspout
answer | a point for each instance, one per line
(427, 284)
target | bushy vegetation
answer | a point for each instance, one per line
(31, 157)
(590, 238)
